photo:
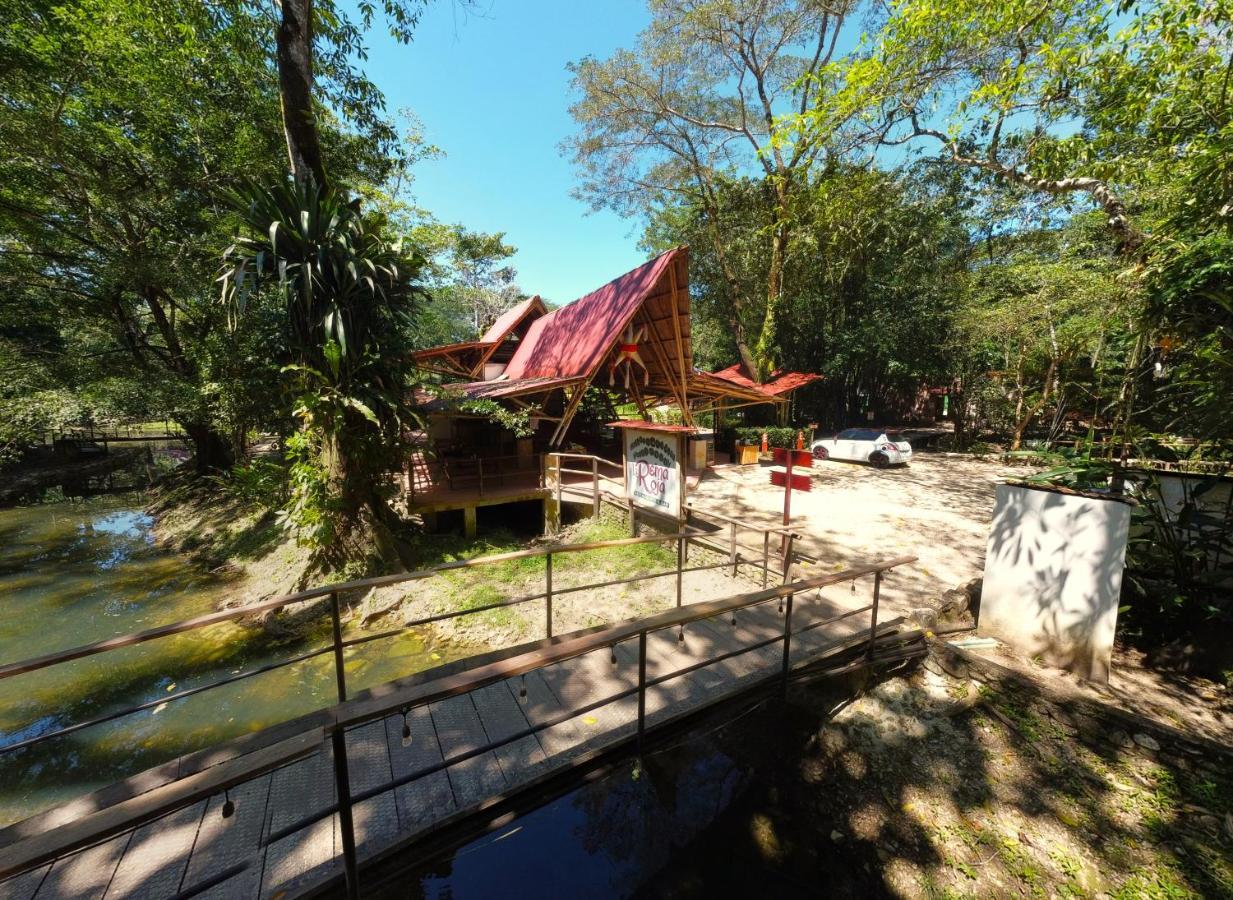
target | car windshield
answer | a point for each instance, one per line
(858, 434)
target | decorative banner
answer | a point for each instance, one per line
(653, 477)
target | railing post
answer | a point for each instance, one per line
(641, 688)
(595, 487)
(479, 460)
(680, 566)
(732, 530)
(789, 540)
(873, 618)
(548, 590)
(766, 558)
(346, 825)
(340, 674)
(787, 642)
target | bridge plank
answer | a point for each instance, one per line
(224, 843)
(368, 761)
(427, 798)
(154, 862)
(298, 790)
(501, 717)
(23, 886)
(541, 704)
(85, 874)
(459, 731)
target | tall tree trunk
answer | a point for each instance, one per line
(211, 451)
(735, 306)
(295, 90)
(768, 341)
(1025, 420)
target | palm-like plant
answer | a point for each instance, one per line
(348, 295)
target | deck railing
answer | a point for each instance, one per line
(212, 781)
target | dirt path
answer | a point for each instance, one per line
(937, 509)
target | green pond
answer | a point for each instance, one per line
(73, 573)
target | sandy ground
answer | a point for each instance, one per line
(936, 509)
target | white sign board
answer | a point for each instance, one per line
(653, 476)
(1053, 576)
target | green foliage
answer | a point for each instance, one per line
(776, 436)
(259, 484)
(346, 295)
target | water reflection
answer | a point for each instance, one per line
(72, 573)
(602, 840)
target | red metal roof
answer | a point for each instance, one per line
(506, 322)
(572, 341)
(510, 387)
(652, 426)
(780, 383)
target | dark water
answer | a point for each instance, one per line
(641, 830)
(72, 573)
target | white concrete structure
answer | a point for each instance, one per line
(1053, 575)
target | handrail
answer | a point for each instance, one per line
(607, 462)
(9, 670)
(382, 702)
(447, 686)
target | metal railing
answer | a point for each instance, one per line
(345, 716)
(338, 645)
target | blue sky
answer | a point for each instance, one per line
(492, 92)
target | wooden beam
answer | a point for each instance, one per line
(680, 343)
(662, 359)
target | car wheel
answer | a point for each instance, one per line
(819, 453)
(878, 460)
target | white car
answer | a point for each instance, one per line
(864, 445)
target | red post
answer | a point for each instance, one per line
(765, 442)
(787, 496)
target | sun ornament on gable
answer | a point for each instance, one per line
(627, 357)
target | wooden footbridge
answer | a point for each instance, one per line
(309, 806)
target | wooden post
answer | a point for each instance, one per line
(340, 674)
(641, 688)
(789, 539)
(680, 565)
(766, 557)
(633, 519)
(479, 461)
(732, 551)
(548, 590)
(873, 618)
(787, 643)
(595, 487)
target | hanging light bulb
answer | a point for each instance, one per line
(734, 618)
(522, 690)
(680, 635)
(228, 805)
(406, 728)
(781, 606)
(612, 654)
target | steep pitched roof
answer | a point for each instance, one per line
(510, 319)
(572, 341)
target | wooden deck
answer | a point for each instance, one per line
(260, 850)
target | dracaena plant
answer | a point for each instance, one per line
(346, 294)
